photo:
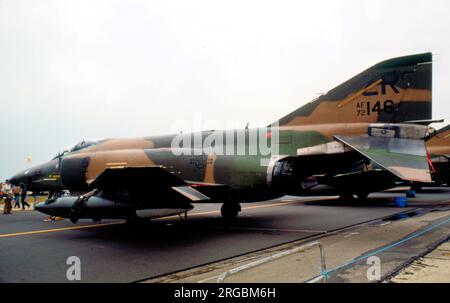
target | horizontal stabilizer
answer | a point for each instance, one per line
(405, 158)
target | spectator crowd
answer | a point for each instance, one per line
(13, 194)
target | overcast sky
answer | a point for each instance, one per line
(72, 70)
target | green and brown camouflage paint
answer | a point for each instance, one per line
(395, 90)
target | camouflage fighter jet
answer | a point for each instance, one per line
(362, 136)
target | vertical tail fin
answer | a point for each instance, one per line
(391, 91)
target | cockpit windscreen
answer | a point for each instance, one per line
(77, 147)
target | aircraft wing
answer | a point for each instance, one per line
(128, 192)
(150, 181)
(405, 158)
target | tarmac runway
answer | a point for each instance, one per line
(33, 250)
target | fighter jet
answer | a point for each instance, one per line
(362, 136)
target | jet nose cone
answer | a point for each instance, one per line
(16, 179)
(12, 180)
(42, 177)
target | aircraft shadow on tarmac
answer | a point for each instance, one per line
(194, 230)
(436, 190)
(372, 202)
(299, 215)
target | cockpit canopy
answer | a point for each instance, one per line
(77, 147)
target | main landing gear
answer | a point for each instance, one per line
(362, 197)
(230, 210)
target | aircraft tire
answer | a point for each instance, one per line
(416, 187)
(230, 211)
(447, 181)
(362, 196)
(346, 198)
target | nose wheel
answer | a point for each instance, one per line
(230, 211)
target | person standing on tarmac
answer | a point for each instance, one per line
(7, 207)
(16, 193)
(6, 188)
(24, 196)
